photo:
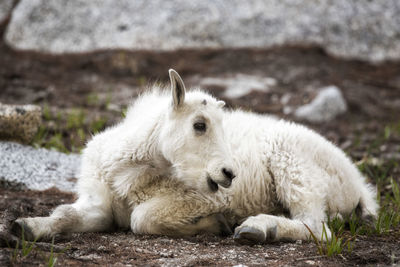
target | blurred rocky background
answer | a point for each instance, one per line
(68, 69)
(366, 30)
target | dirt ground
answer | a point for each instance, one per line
(63, 82)
(127, 249)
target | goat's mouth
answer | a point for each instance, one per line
(211, 184)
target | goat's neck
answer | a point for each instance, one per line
(156, 160)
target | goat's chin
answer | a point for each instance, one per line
(199, 181)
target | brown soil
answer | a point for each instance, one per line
(372, 93)
(125, 248)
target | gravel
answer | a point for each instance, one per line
(38, 169)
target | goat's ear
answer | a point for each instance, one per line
(178, 89)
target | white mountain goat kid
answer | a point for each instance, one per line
(180, 137)
(160, 172)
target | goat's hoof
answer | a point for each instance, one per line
(224, 228)
(272, 233)
(20, 229)
(249, 236)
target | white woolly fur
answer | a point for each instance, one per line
(157, 172)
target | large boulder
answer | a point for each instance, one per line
(368, 30)
(5, 8)
(19, 122)
(37, 169)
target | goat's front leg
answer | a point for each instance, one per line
(89, 213)
(178, 218)
(299, 188)
(268, 228)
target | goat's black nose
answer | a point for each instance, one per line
(228, 173)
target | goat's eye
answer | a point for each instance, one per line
(200, 126)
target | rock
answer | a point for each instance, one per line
(239, 85)
(38, 169)
(5, 8)
(328, 104)
(90, 257)
(19, 122)
(368, 30)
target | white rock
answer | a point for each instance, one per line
(239, 85)
(367, 30)
(38, 169)
(90, 257)
(285, 98)
(287, 110)
(328, 104)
